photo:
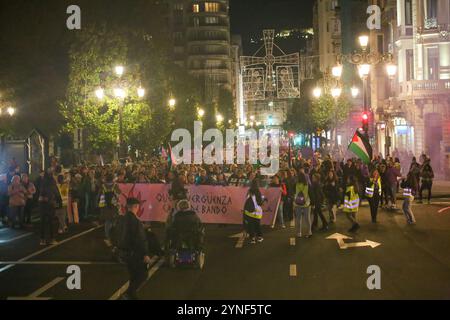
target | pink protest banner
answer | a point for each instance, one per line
(213, 204)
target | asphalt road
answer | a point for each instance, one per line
(414, 263)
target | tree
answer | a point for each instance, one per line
(327, 113)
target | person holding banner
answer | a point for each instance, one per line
(253, 213)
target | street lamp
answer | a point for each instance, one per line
(201, 113)
(364, 42)
(336, 71)
(317, 92)
(172, 103)
(355, 92)
(141, 92)
(100, 93)
(11, 111)
(219, 118)
(120, 93)
(336, 92)
(364, 70)
(391, 70)
(119, 70)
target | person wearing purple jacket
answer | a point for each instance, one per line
(392, 173)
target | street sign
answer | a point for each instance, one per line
(342, 245)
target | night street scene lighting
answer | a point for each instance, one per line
(219, 158)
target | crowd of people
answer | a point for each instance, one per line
(90, 192)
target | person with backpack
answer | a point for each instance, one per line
(302, 205)
(133, 246)
(253, 213)
(351, 202)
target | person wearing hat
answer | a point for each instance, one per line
(134, 244)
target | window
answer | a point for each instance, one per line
(431, 9)
(408, 12)
(211, 7)
(212, 20)
(431, 14)
(196, 22)
(433, 63)
(178, 35)
(178, 7)
(409, 65)
(196, 8)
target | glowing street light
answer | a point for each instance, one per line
(336, 92)
(336, 71)
(120, 93)
(201, 113)
(219, 118)
(391, 70)
(11, 111)
(317, 92)
(364, 70)
(172, 103)
(364, 42)
(141, 92)
(100, 93)
(355, 92)
(119, 70)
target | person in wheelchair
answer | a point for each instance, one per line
(186, 230)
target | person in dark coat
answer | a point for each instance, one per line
(134, 244)
(49, 200)
(317, 197)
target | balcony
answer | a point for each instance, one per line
(424, 88)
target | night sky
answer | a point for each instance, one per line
(250, 17)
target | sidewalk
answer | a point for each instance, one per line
(441, 189)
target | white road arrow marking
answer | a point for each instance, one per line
(342, 245)
(241, 238)
(443, 210)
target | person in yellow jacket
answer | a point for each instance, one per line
(302, 205)
(351, 202)
(373, 194)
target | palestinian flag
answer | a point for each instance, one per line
(361, 147)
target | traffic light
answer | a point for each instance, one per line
(365, 122)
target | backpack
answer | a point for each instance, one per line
(300, 199)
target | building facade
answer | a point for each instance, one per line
(202, 42)
(415, 106)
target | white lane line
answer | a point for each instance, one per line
(49, 248)
(44, 288)
(293, 270)
(240, 242)
(16, 238)
(292, 241)
(82, 263)
(35, 295)
(151, 272)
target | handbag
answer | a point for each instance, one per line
(300, 199)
